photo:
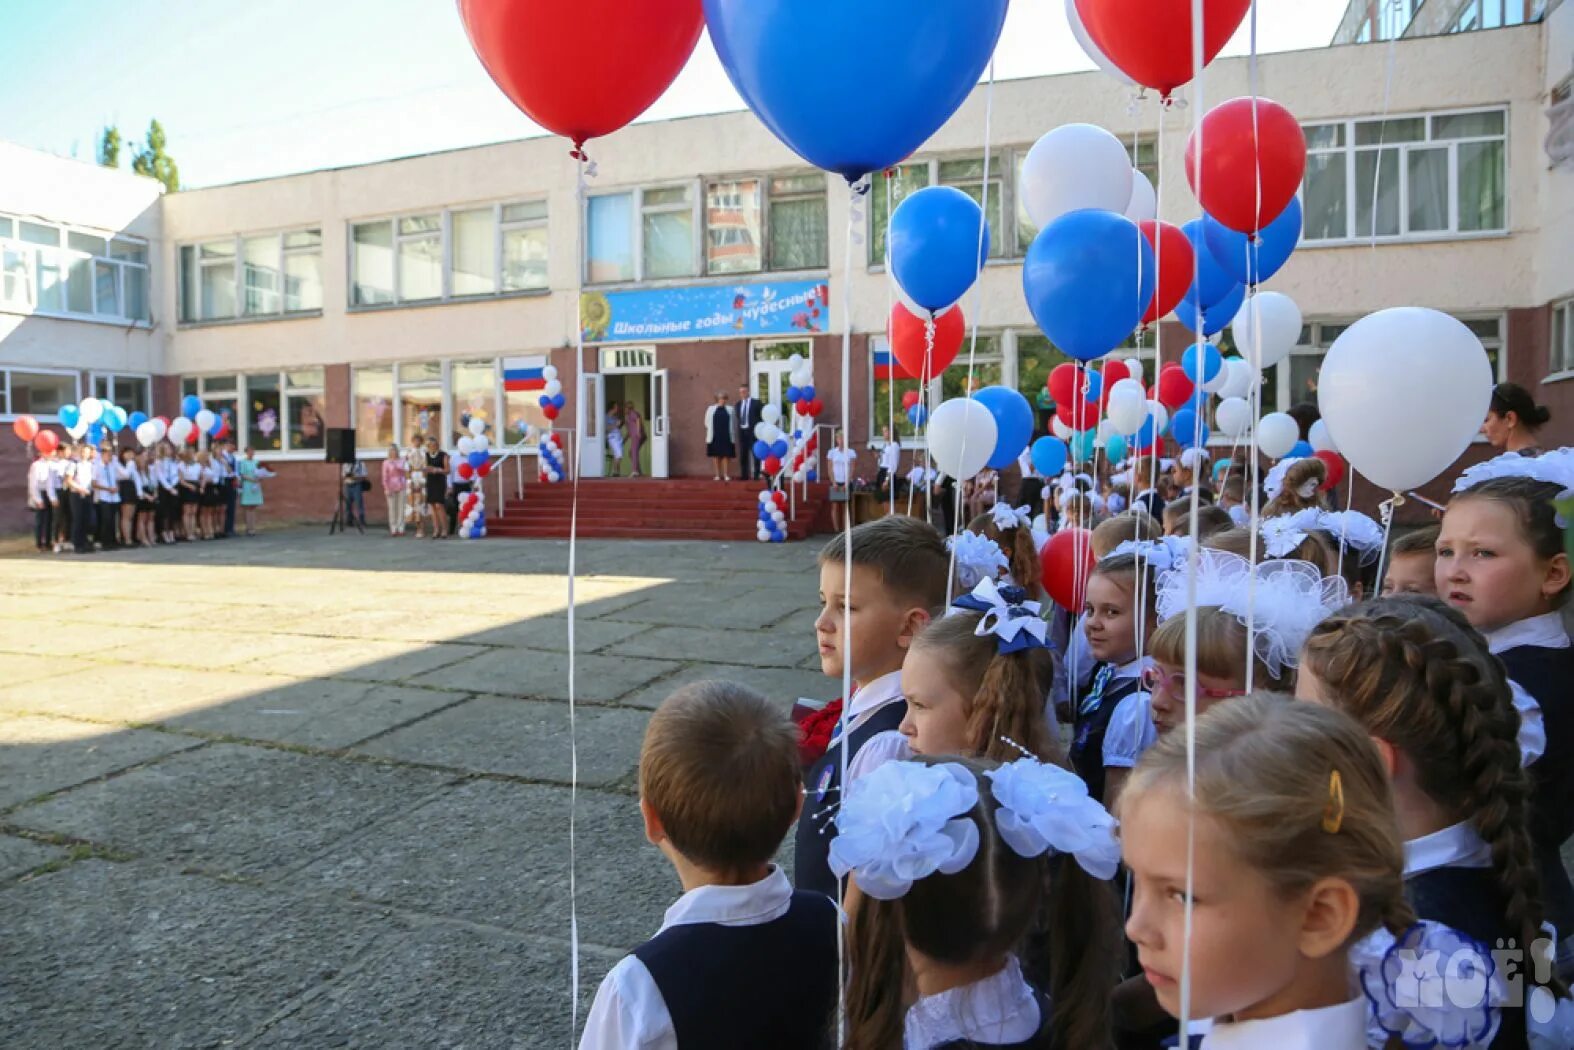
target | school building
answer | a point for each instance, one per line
(398, 297)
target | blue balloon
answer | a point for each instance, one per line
(1115, 448)
(114, 419)
(1188, 429)
(1213, 280)
(1300, 449)
(935, 247)
(918, 415)
(1013, 423)
(1049, 456)
(95, 433)
(793, 394)
(1093, 386)
(218, 424)
(1082, 445)
(779, 449)
(136, 419)
(475, 459)
(1147, 432)
(807, 392)
(190, 405)
(1252, 261)
(70, 415)
(559, 400)
(761, 449)
(1203, 370)
(1211, 318)
(814, 475)
(808, 70)
(1081, 285)
(544, 400)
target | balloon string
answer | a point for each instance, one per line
(573, 550)
(1386, 509)
(891, 371)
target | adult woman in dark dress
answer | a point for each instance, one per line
(437, 486)
(718, 436)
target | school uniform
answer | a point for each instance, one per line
(166, 475)
(80, 483)
(870, 722)
(999, 1012)
(125, 481)
(1106, 694)
(1537, 656)
(1449, 879)
(190, 483)
(42, 497)
(230, 490)
(208, 487)
(1150, 501)
(890, 463)
(732, 966)
(106, 494)
(147, 491)
(840, 459)
(59, 469)
(1341, 1027)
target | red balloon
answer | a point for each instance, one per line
(1067, 559)
(465, 470)
(1335, 465)
(25, 427)
(1064, 381)
(550, 411)
(1113, 371)
(908, 340)
(816, 407)
(1150, 40)
(192, 435)
(910, 399)
(1177, 266)
(780, 499)
(46, 441)
(484, 469)
(773, 466)
(583, 68)
(1174, 387)
(1229, 185)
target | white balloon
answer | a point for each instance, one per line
(180, 429)
(549, 373)
(1233, 417)
(1161, 416)
(1399, 439)
(794, 360)
(147, 433)
(1144, 203)
(1216, 384)
(1277, 318)
(1237, 378)
(1127, 389)
(466, 446)
(1126, 415)
(1089, 48)
(962, 436)
(205, 420)
(1075, 166)
(1277, 434)
(1320, 439)
(553, 388)
(1134, 366)
(480, 442)
(771, 413)
(77, 431)
(1059, 428)
(762, 431)
(91, 410)
(477, 426)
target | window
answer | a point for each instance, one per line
(886, 194)
(36, 392)
(888, 386)
(1036, 358)
(220, 395)
(987, 367)
(797, 232)
(642, 235)
(401, 403)
(264, 427)
(734, 227)
(1494, 14)
(1439, 175)
(304, 409)
(474, 389)
(132, 393)
(50, 269)
(279, 273)
(968, 176)
(441, 256)
(786, 230)
(420, 389)
(1562, 337)
(272, 412)
(372, 397)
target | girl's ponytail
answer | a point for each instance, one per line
(876, 1000)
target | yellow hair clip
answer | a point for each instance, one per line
(1333, 812)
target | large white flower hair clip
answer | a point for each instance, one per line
(1006, 516)
(1279, 602)
(907, 821)
(1273, 484)
(1016, 623)
(1164, 552)
(977, 558)
(1431, 986)
(1281, 535)
(1555, 468)
(1351, 528)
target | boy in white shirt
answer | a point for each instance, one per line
(42, 498)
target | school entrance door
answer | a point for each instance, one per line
(770, 373)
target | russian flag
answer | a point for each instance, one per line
(885, 367)
(524, 379)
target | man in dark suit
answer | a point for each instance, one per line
(747, 415)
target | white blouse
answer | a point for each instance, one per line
(1001, 1008)
(1341, 1027)
(1130, 732)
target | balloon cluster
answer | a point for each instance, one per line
(26, 429)
(772, 527)
(552, 399)
(473, 447)
(472, 516)
(550, 456)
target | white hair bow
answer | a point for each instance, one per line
(902, 823)
(1008, 615)
(1165, 552)
(1046, 809)
(977, 557)
(1554, 468)
(1008, 517)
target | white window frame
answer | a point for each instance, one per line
(239, 263)
(242, 419)
(1350, 151)
(111, 378)
(445, 224)
(63, 258)
(696, 188)
(1560, 365)
(5, 389)
(764, 178)
(446, 386)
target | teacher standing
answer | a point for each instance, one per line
(1513, 420)
(748, 416)
(718, 435)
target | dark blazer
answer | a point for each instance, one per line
(747, 414)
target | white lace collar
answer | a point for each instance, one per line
(1001, 1008)
(1456, 846)
(1544, 632)
(1341, 1027)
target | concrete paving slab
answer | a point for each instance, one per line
(551, 632)
(17, 668)
(213, 650)
(115, 693)
(234, 809)
(701, 606)
(60, 642)
(544, 676)
(361, 659)
(521, 738)
(316, 712)
(399, 625)
(114, 956)
(40, 754)
(785, 685)
(18, 856)
(748, 649)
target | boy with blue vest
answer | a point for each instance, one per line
(742, 960)
(899, 570)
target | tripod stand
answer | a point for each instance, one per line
(341, 508)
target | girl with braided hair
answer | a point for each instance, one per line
(1421, 682)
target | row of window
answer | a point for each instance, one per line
(47, 268)
(456, 254)
(253, 276)
(267, 411)
(41, 392)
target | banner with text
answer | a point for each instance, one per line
(722, 311)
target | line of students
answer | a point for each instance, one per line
(85, 499)
(1370, 778)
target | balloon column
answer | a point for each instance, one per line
(550, 456)
(772, 516)
(472, 515)
(552, 399)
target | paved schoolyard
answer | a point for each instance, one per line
(302, 791)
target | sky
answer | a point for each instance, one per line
(268, 87)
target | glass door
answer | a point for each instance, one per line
(660, 424)
(592, 437)
(770, 373)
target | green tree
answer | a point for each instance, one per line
(109, 147)
(151, 160)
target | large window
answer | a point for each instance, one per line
(644, 234)
(1428, 176)
(36, 392)
(1494, 14)
(371, 394)
(272, 412)
(1562, 337)
(130, 392)
(757, 223)
(439, 256)
(887, 387)
(967, 175)
(406, 402)
(473, 385)
(254, 276)
(50, 269)
(221, 395)
(421, 402)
